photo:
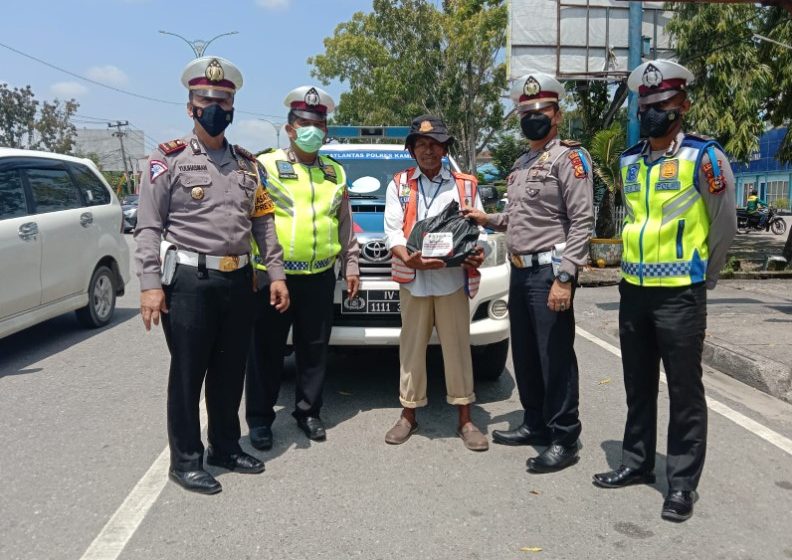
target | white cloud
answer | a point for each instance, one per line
(274, 4)
(68, 89)
(255, 135)
(108, 74)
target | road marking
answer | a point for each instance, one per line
(752, 426)
(115, 535)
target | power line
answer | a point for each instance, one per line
(113, 88)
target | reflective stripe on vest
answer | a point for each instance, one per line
(466, 189)
(666, 222)
(306, 213)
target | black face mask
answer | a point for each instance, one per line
(214, 119)
(655, 123)
(535, 126)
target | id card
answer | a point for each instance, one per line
(437, 244)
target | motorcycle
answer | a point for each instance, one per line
(750, 222)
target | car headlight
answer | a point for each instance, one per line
(497, 249)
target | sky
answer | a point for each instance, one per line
(117, 42)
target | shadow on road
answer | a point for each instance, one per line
(360, 380)
(613, 454)
(19, 350)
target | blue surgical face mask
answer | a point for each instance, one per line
(309, 139)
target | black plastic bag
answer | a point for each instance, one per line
(465, 234)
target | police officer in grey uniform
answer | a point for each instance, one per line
(549, 216)
(199, 202)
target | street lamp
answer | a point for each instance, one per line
(199, 45)
(277, 131)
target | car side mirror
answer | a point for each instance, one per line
(488, 194)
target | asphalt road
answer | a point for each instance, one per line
(83, 416)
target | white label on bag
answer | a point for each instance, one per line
(438, 244)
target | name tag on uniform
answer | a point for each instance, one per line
(667, 186)
(438, 244)
(631, 188)
(285, 170)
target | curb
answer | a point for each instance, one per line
(758, 275)
(759, 372)
(764, 374)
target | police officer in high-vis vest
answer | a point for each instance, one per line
(548, 223)
(200, 199)
(313, 219)
(678, 191)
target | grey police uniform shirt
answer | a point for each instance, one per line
(720, 207)
(550, 194)
(216, 221)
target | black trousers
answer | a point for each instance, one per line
(545, 365)
(207, 330)
(311, 315)
(664, 324)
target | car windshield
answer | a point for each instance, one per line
(369, 172)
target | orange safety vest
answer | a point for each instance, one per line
(403, 182)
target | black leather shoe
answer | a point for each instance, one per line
(520, 436)
(261, 438)
(554, 458)
(238, 462)
(623, 476)
(312, 427)
(195, 481)
(678, 505)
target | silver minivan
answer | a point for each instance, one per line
(61, 243)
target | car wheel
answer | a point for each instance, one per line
(101, 300)
(490, 361)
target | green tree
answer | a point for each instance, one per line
(605, 148)
(25, 123)
(507, 145)
(407, 57)
(733, 82)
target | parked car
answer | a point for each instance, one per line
(61, 241)
(129, 208)
(373, 318)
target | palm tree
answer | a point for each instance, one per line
(606, 147)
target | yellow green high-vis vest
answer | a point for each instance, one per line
(306, 201)
(666, 221)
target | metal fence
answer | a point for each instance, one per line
(618, 218)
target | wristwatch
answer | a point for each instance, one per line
(564, 277)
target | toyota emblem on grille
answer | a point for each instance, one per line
(376, 251)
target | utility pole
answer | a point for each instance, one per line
(120, 135)
(635, 44)
(277, 131)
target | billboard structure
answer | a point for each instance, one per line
(581, 39)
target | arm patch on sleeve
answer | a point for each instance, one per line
(715, 179)
(579, 164)
(157, 168)
(263, 204)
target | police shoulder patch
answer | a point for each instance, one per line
(156, 169)
(579, 163)
(172, 146)
(266, 151)
(716, 183)
(570, 143)
(244, 153)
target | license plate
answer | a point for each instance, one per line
(371, 302)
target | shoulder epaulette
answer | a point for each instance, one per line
(571, 143)
(244, 153)
(703, 137)
(266, 151)
(634, 149)
(172, 147)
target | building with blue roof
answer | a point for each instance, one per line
(771, 178)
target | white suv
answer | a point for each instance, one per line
(61, 242)
(373, 319)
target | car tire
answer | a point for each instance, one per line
(101, 299)
(490, 361)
